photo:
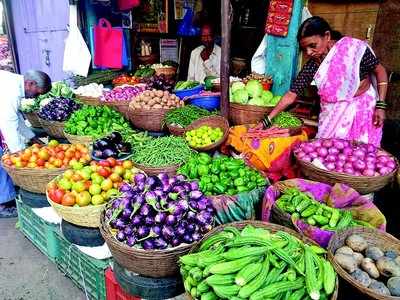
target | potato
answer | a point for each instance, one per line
(151, 102)
(347, 262)
(362, 277)
(379, 287)
(387, 267)
(345, 250)
(157, 100)
(358, 258)
(391, 253)
(368, 266)
(166, 93)
(152, 94)
(394, 286)
(374, 253)
(159, 94)
(146, 107)
(157, 106)
(147, 93)
(356, 242)
(137, 105)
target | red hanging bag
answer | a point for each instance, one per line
(128, 4)
(107, 45)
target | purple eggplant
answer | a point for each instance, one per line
(206, 228)
(150, 182)
(160, 217)
(187, 238)
(126, 214)
(193, 204)
(142, 231)
(149, 221)
(128, 230)
(194, 186)
(151, 199)
(187, 187)
(125, 187)
(116, 203)
(156, 229)
(131, 241)
(163, 176)
(183, 205)
(191, 227)
(158, 192)
(139, 178)
(172, 181)
(119, 224)
(159, 243)
(120, 236)
(180, 177)
(194, 195)
(196, 236)
(136, 220)
(191, 215)
(175, 242)
(144, 210)
(148, 244)
(168, 232)
(170, 220)
(180, 230)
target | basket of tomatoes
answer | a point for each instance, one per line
(32, 168)
(80, 194)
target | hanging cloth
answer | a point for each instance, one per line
(77, 56)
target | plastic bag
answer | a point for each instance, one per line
(237, 208)
(77, 56)
(339, 196)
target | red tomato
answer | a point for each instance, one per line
(104, 172)
(112, 162)
(104, 163)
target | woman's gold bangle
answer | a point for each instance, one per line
(382, 83)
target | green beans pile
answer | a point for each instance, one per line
(184, 116)
(286, 120)
(163, 151)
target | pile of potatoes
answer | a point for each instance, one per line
(156, 99)
(370, 265)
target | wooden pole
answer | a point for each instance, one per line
(225, 55)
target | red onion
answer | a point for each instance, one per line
(317, 143)
(339, 169)
(313, 155)
(322, 152)
(331, 158)
(300, 154)
(348, 165)
(341, 163)
(359, 165)
(359, 153)
(338, 144)
(368, 172)
(391, 164)
(346, 143)
(349, 171)
(333, 150)
(371, 160)
(379, 165)
(370, 165)
(383, 159)
(327, 143)
(371, 148)
(347, 151)
(342, 157)
(306, 158)
(357, 173)
(352, 159)
(330, 166)
(384, 170)
(308, 148)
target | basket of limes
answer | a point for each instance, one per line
(207, 133)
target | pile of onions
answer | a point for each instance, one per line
(123, 93)
(347, 157)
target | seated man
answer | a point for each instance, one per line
(205, 60)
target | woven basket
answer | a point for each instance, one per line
(88, 100)
(269, 226)
(374, 237)
(33, 118)
(170, 170)
(87, 216)
(150, 263)
(121, 106)
(147, 119)
(32, 180)
(53, 128)
(175, 130)
(214, 122)
(362, 184)
(278, 216)
(166, 71)
(240, 114)
(77, 139)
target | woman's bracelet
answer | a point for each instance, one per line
(267, 122)
(381, 105)
(383, 83)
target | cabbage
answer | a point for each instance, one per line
(275, 100)
(237, 85)
(267, 96)
(257, 101)
(254, 88)
(240, 96)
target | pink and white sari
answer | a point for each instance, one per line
(342, 114)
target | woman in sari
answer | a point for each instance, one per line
(351, 83)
